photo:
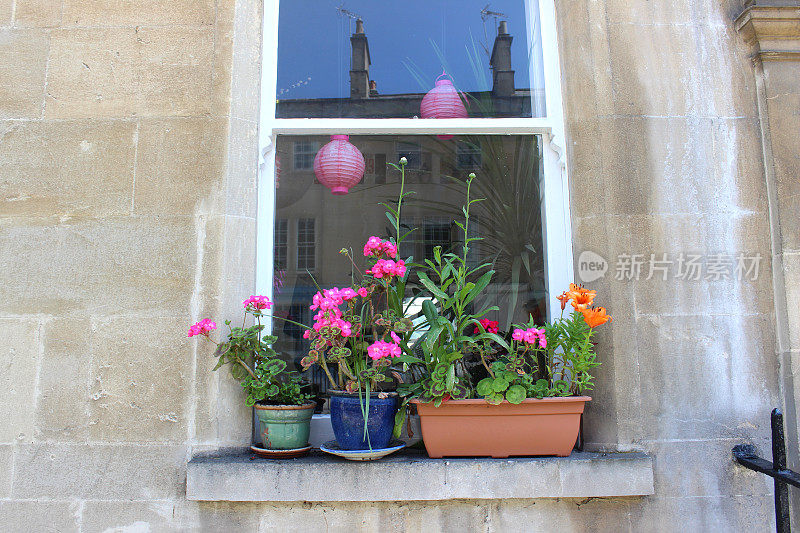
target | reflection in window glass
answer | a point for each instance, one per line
(306, 244)
(378, 59)
(412, 152)
(281, 244)
(469, 156)
(508, 169)
(304, 152)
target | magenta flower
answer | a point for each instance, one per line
(381, 349)
(386, 268)
(530, 336)
(491, 326)
(363, 292)
(375, 247)
(204, 327)
(257, 302)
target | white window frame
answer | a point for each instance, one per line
(556, 222)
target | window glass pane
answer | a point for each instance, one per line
(306, 244)
(509, 173)
(281, 244)
(304, 152)
(363, 58)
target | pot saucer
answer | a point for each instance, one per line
(332, 447)
(280, 454)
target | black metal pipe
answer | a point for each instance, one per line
(745, 455)
(782, 521)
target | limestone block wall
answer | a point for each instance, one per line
(127, 201)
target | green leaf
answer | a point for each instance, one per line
(275, 366)
(437, 254)
(481, 284)
(499, 385)
(453, 357)
(432, 337)
(484, 387)
(494, 399)
(425, 280)
(515, 394)
(429, 310)
(451, 377)
(410, 359)
(399, 420)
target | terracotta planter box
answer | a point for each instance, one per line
(460, 428)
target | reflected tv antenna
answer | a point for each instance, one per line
(347, 13)
(486, 13)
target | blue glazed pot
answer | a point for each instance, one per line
(348, 421)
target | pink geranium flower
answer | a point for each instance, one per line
(381, 349)
(376, 247)
(386, 268)
(530, 336)
(204, 327)
(257, 302)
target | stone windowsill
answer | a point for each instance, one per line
(411, 475)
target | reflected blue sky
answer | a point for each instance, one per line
(410, 42)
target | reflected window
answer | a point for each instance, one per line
(281, 243)
(412, 152)
(306, 244)
(469, 156)
(379, 59)
(304, 152)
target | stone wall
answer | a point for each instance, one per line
(128, 152)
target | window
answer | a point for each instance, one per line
(304, 153)
(367, 79)
(379, 59)
(469, 156)
(306, 244)
(429, 232)
(281, 244)
(412, 153)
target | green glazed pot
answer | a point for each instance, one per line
(284, 427)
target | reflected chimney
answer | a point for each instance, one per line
(500, 63)
(359, 63)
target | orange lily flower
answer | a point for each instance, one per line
(582, 298)
(564, 298)
(595, 317)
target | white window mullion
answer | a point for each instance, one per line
(265, 210)
(410, 126)
(556, 228)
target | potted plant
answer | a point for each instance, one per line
(283, 406)
(357, 332)
(527, 403)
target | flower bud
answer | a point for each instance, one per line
(403, 161)
(472, 175)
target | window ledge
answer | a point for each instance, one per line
(411, 475)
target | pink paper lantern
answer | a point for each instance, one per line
(339, 165)
(443, 101)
